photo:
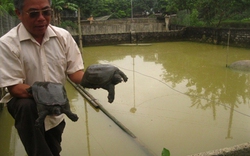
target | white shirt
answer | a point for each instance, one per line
(24, 60)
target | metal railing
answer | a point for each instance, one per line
(6, 22)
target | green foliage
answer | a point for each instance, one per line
(8, 6)
(194, 18)
(183, 18)
(165, 152)
(214, 12)
(202, 12)
(58, 6)
(235, 24)
(211, 12)
(67, 23)
(120, 14)
(162, 5)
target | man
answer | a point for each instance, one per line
(36, 51)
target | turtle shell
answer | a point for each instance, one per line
(99, 75)
(49, 93)
(242, 65)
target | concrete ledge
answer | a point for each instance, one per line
(238, 150)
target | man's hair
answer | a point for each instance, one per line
(19, 4)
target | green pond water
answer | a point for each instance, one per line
(179, 96)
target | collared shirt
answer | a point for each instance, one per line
(25, 61)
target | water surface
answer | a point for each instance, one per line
(179, 96)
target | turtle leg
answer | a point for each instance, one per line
(41, 116)
(118, 77)
(66, 110)
(111, 90)
(125, 78)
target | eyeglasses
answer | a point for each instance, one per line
(36, 13)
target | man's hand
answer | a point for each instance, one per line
(19, 90)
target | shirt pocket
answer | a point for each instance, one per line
(57, 69)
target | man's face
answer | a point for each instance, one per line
(35, 16)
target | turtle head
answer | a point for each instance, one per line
(56, 110)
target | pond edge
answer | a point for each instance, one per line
(239, 150)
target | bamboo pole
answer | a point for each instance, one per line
(228, 40)
(83, 94)
(96, 104)
(108, 114)
(79, 29)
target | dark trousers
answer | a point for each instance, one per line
(36, 141)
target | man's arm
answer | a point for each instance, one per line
(19, 90)
(76, 77)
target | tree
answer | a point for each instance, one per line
(8, 6)
(208, 12)
(214, 12)
(149, 6)
(58, 6)
(211, 12)
(120, 8)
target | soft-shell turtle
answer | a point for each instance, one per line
(51, 99)
(104, 76)
(241, 65)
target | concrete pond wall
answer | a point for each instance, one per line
(123, 26)
(223, 36)
(237, 150)
(153, 30)
(131, 37)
